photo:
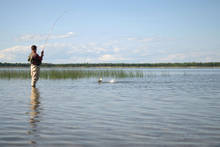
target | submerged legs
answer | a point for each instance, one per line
(35, 72)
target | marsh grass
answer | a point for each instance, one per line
(70, 74)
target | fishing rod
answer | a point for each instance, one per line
(52, 28)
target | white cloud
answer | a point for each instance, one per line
(133, 49)
(142, 39)
(190, 57)
(2, 56)
(108, 57)
(174, 57)
(111, 50)
(132, 38)
(13, 54)
(41, 37)
(147, 39)
(14, 49)
(116, 49)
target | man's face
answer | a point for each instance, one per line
(34, 50)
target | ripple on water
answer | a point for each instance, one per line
(169, 109)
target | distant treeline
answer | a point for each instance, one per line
(188, 64)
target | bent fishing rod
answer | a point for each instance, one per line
(52, 28)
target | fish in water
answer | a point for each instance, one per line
(112, 81)
(100, 80)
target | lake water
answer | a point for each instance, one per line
(168, 107)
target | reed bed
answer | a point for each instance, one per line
(70, 74)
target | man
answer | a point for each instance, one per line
(35, 61)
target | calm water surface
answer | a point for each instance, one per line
(169, 107)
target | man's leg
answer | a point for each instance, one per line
(34, 75)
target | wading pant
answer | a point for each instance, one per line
(35, 73)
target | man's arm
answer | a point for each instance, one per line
(29, 58)
(42, 54)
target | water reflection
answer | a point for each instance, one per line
(34, 114)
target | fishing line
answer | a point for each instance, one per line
(52, 28)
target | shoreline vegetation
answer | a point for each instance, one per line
(137, 65)
(70, 74)
(62, 71)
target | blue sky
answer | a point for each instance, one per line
(97, 31)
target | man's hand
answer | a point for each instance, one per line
(42, 53)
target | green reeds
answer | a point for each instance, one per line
(70, 74)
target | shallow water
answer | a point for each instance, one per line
(169, 107)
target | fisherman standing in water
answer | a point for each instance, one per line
(35, 61)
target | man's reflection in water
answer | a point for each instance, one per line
(34, 114)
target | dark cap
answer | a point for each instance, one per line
(33, 47)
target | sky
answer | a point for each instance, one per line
(116, 31)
